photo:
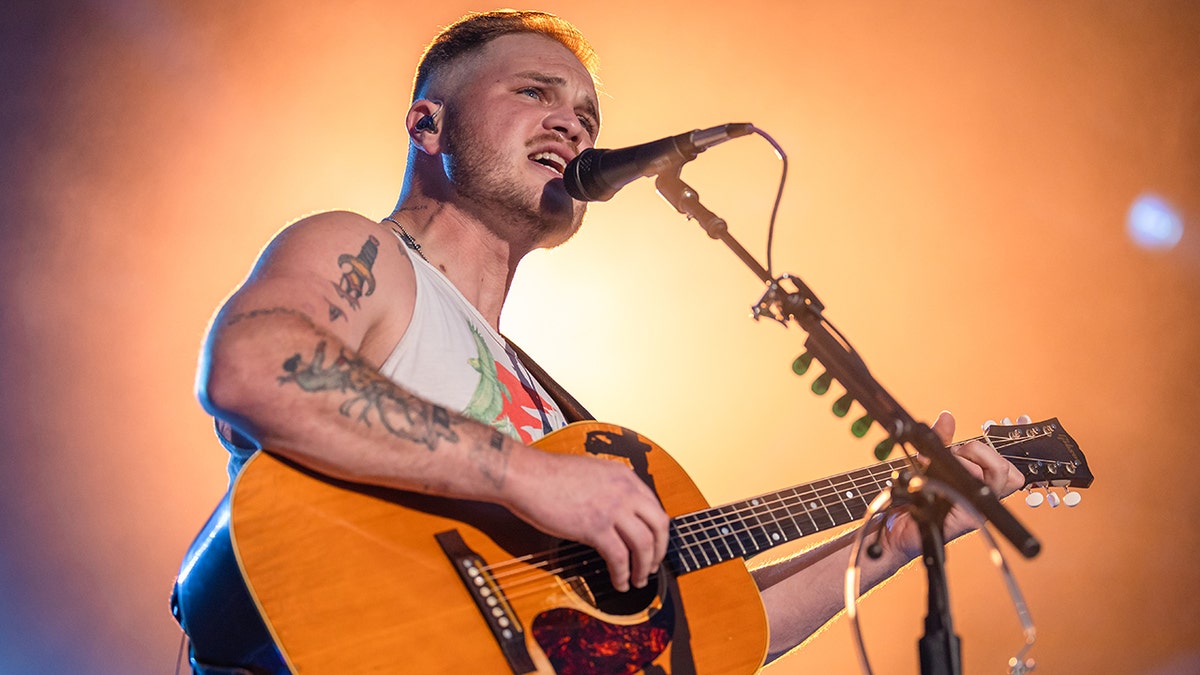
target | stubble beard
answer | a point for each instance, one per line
(488, 189)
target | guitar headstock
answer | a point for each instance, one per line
(1046, 455)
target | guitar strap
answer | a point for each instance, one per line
(571, 409)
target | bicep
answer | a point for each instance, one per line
(341, 273)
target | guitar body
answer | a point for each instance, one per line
(355, 579)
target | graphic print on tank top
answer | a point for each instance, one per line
(505, 399)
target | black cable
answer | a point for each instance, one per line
(778, 197)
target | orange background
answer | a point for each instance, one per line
(959, 183)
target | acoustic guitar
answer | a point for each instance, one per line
(358, 579)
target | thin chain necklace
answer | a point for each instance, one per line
(407, 238)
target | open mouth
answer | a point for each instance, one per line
(551, 160)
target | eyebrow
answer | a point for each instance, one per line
(555, 81)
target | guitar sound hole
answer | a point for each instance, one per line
(594, 585)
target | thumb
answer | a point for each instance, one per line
(944, 427)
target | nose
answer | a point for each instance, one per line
(564, 121)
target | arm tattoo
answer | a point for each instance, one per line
(357, 278)
(492, 460)
(377, 398)
(335, 312)
(273, 311)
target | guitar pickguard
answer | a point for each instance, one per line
(580, 644)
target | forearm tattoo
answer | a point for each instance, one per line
(492, 460)
(375, 397)
(370, 397)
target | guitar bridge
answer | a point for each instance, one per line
(490, 600)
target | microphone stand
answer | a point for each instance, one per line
(685, 200)
(940, 647)
(788, 298)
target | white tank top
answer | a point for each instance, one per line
(451, 356)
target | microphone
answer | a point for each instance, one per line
(596, 175)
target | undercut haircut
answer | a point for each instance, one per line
(474, 31)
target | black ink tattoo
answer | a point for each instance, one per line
(425, 218)
(357, 279)
(494, 467)
(335, 312)
(272, 311)
(401, 414)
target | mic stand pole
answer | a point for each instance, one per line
(940, 647)
(685, 200)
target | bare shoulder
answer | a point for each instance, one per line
(347, 273)
(321, 232)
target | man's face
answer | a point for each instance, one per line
(524, 106)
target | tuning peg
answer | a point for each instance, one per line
(1034, 498)
(821, 384)
(1071, 498)
(884, 448)
(861, 426)
(802, 362)
(1023, 419)
(1018, 667)
(1052, 498)
(842, 405)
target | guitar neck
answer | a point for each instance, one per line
(743, 529)
(1044, 452)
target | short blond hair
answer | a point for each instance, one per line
(473, 31)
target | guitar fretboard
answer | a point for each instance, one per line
(744, 528)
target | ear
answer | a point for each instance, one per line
(424, 135)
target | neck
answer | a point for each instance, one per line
(479, 262)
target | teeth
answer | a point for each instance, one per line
(551, 159)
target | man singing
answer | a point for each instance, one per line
(369, 351)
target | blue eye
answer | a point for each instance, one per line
(531, 92)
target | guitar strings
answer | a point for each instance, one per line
(778, 501)
(574, 558)
(769, 509)
(700, 528)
